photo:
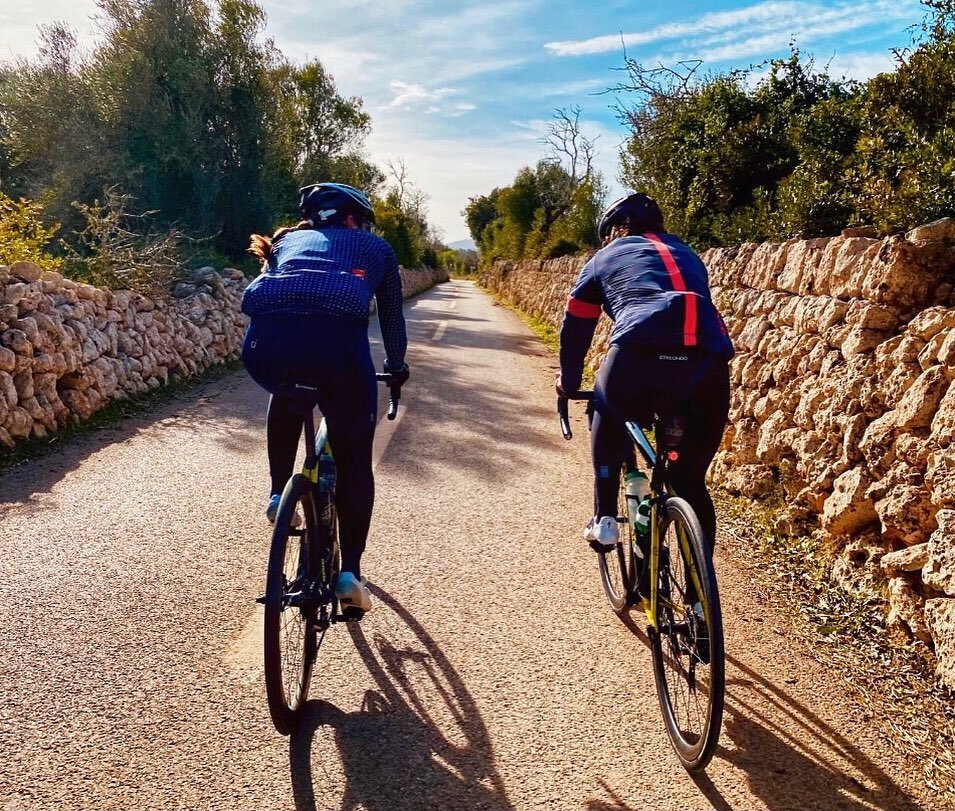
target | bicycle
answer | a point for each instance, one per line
(304, 564)
(669, 574)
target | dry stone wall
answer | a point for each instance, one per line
(68, 349)
(843, 396)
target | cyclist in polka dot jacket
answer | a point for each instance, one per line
(309, 321)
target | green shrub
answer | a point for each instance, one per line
(23, 236)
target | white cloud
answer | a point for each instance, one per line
(410, 94)
(434, 102)
(770, 19)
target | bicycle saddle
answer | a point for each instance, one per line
(301, 395)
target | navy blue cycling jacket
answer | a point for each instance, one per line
(334, 271)
(656, 291)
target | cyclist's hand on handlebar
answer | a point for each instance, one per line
(399, 375)
(559, 387)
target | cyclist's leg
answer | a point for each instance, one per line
(706, 412)
(349, 403)
(283, 432)
(270, 354)
(615, 401)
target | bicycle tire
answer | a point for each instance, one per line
(615, 565)
(289, 633)
(688, 656)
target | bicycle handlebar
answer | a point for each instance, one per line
(394, 392)
(562, 401)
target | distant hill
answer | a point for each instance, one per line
(463, 245)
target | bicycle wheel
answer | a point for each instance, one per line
(290, 636)
(615, 565)
(688, 659)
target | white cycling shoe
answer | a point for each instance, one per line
(272, 510)
(352, 592)
(603, 532)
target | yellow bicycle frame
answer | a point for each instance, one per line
(652, 607)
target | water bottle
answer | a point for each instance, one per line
(638, 500)
(642, 523)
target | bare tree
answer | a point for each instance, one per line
(569, 147)
(654, 88)
(410, 198)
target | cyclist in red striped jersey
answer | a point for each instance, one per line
(669, 353)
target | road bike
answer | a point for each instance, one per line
(667, 570)
(304, 564)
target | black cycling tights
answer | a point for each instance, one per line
(335, 357)
(352, 431)
(634, 384)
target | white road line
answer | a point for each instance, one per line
(439, 332)
(453, 305)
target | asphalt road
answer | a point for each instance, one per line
(491, 674)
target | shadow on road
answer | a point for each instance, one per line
(418, 740)
(615, 803)
(792, 759)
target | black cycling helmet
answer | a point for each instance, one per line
(331, 203)
(638, 211)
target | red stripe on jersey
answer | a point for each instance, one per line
(676, 278)
(582, 309)
(358, 272)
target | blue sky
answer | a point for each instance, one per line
(462, 92)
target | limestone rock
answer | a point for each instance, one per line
(906, 609)
(8, 391)
(943, 421)
(943, 229)
(906, 514)
(848, 509)
(869, 231)
(78, 403)
(932, 321)
(19, 423)
(940, 619)
(939, 569)
(900, 277)
(910, 559)
(25, 271)
(920, 402)
(940, 477)
(8, 359)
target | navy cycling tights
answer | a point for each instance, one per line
(333, 354)
(633, 384)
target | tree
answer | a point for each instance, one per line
(401, 218)
(714, 151)
(187, 112)
(569, 147)
(906, 166)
